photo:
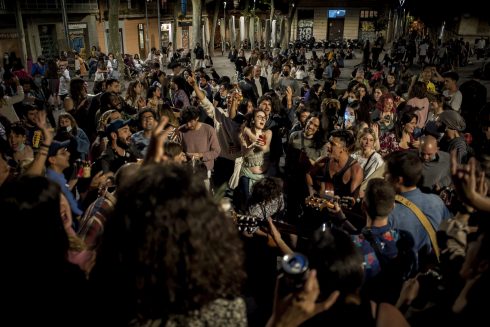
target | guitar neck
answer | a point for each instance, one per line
(245, 222)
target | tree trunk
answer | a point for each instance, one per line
(21, 34)
(268, 46)
(114, 42)
(176, 24)
(213, 29)
(286, 34)
(272, 11)
(196, 26)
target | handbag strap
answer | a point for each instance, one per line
(423, 220)
(367, 162)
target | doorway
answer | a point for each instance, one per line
(185, 37)
(335, 29)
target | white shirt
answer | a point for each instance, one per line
(454, 100)
(259, 87)
(65, 82)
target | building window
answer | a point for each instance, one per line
(306, 14)
(336, 13)
(141, 36)
(369, 14)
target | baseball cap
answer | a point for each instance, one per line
(56, 145)
(453, 120)
(115, 125)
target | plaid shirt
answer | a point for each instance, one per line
(93, 221)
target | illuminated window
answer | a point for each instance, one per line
(336, 13)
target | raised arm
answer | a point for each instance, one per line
(236, 96)
(37, 166)
(192, 82)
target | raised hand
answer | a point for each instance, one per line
(294, 309)
(191, 80)
(41, 122)
(470, 188)
(409, 292)
(464, 177)
(141, 103)
(155, 153)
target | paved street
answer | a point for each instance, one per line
(223, 66)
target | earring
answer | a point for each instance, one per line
(253, 121)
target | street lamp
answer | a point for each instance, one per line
(223, 48)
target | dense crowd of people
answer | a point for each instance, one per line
(182, 202)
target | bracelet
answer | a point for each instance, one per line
(45, 145)
(43, 153)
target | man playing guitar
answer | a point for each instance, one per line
(338, 171)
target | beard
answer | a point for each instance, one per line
(122, 143)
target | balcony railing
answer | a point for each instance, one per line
(71, 5)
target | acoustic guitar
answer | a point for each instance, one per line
(345, 202)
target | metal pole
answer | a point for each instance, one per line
(65, 24)
(147, 28)
(159, 27)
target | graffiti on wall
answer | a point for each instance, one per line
(305, 29)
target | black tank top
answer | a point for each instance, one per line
(336, 181)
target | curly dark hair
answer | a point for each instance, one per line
(171, 248)
(265, 190)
